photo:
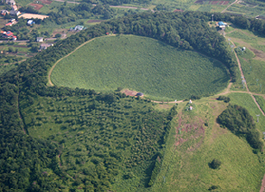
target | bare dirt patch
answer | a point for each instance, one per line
(46, 2)
(262, 188)
(94, 21)
(129, 92)
(35, 16)
(189, 131)
(36, 6)
(259, 54)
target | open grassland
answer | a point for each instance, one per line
(142, 64)
(252, 59)
(188, 152)
(260, 101)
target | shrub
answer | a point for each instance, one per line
(215, 164)
(224, 98)
(213, 187)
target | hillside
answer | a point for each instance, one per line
(64, 139)
(197, 139)
(143, 64)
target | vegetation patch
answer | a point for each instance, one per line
(101, 137)
(141, 64)
(238, 120)
(260, 101)
(182, 166)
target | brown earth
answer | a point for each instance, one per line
(46, 2)
(94, 21)
(36, 6)
(196, 126)
(262, 188)
(31, 15)
(129, 92)
(258, 53)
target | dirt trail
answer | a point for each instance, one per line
(262, 188)
(229, 6)
(243, 77)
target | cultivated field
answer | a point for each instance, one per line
(142, 64)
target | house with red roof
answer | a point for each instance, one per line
(7, 34)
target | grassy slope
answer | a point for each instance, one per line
(252, 65)
(185, 167)
(142, 64)
(260, 101)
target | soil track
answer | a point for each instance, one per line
(36, 6)
(229, 6)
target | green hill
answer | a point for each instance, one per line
(192, 146)
(142, 64)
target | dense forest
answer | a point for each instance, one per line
(31, 163)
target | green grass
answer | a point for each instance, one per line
(142, 64)
(254, 71)
(247, 10)
(260, 101)
(252, 65)
(185, 167)
(243, 36)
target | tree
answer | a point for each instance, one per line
(215, 164)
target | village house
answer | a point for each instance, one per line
(30, 22)
(9, 24)
(10, 2)
(7, 34)
(4, 12)
(17, 13)
(221, 25)
(14, 7)
(40, 39)
(44, 46)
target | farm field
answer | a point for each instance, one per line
(142, 64)
(192, 145)
(248, 9)
(252, 59)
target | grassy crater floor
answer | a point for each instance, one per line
(142, 64)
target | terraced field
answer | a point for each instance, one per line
(143, 64)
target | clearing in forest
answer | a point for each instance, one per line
(143, 64)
